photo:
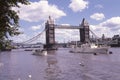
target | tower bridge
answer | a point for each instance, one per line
(50, 32)
(50, 27)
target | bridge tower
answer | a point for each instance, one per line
(84, 31)
(50, 34)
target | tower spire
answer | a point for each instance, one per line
(50, 20)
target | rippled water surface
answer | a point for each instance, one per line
(59, 65)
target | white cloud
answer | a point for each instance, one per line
(40, 27)
(109, 27)
(65, 24)
(39, 11)
(65, 35)
(97, 16)
(113, 22)
(36, 27)
(78, 5)
(99, 30)
(20, 38)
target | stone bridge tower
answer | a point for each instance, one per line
(84, 32)
(50, 34)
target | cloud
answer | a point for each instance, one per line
(78, 5)
(99, 30)
(20, 38)
(36, 27)
(109, 27)
(65, 24)
(97, 16)
(39, 11)
(113, 22)
(65, 35)
(99, 6)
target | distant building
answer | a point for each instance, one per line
(115, 42)
(101, 41)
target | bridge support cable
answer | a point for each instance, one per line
(35, 37)
(96, 37)
(94, 34)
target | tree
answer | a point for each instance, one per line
(9, 20)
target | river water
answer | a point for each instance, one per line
(59, 65)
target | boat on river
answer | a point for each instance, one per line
(90, 48)
(40, 52)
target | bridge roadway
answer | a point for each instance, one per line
(59, 65)
(66, 27)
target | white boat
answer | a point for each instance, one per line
(40, 52)
(90, 48)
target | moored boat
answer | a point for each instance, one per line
(40, 52)
(90, 48)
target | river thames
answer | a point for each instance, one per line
(59, 65)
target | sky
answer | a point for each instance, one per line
(103, 17)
